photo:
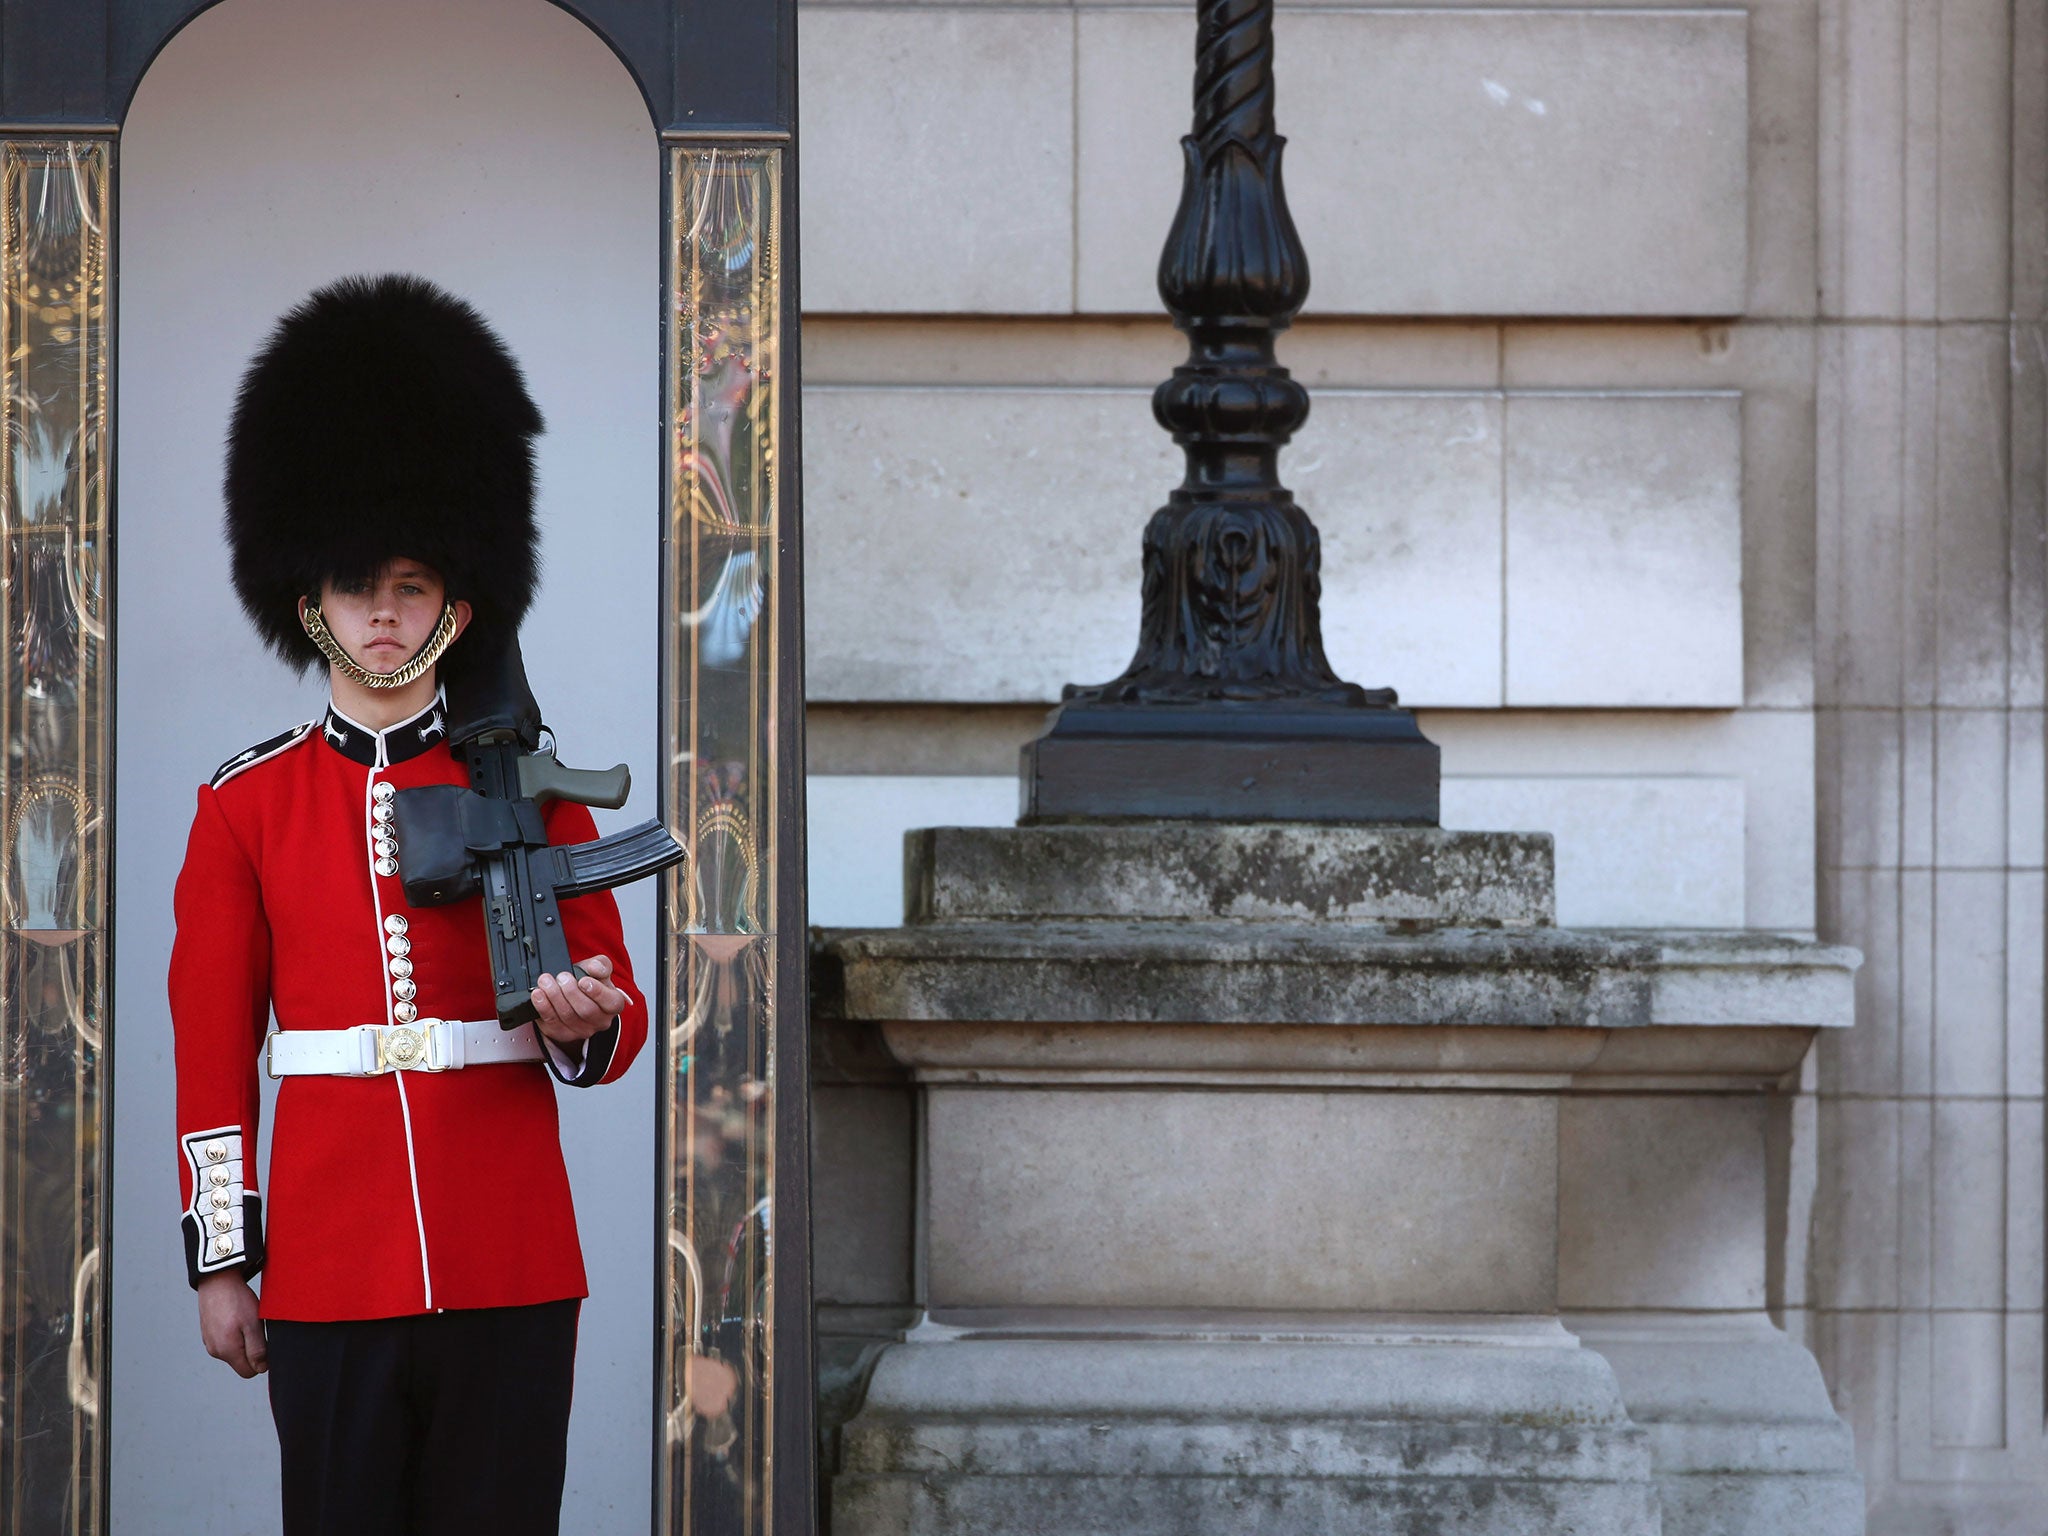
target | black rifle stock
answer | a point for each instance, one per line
(491, 839)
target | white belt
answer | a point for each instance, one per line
(370, 1050)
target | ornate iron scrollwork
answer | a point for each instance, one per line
(1230, 708)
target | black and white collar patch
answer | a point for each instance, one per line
(409, 738)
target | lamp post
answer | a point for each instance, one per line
(1229, 711)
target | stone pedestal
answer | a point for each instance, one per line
(1283, 1178)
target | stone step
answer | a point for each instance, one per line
(1287, 872)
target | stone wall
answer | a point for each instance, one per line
(1677, 445)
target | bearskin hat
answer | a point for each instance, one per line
(383, 419)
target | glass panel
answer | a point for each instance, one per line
(54, 715)
(719, 579)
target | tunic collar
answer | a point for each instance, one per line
(359, 743)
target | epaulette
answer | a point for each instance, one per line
(259, 753)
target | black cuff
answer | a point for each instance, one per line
(598, 1051)
(251, 1257)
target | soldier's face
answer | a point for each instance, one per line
(383, 622)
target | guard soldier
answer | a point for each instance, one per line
(421, 1272)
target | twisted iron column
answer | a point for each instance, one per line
(1229, 709)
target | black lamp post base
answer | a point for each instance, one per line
(1284, 761)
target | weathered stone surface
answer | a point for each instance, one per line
(1656, 1058)
(1308, 973)
(1449, 161)
(1661, 1201)
(1636, 847)
(1624, 550)
(1743, 1436)
(1265, 1435)
(1170, 870)
(1107, 1197)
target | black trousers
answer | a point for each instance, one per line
(447, 1424)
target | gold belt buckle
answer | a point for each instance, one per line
(401, 1048)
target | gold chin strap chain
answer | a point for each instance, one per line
(318, 632)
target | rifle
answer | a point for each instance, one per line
(490, 837)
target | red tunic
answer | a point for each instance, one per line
(403, 1193)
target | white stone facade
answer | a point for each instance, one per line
(1679, 446)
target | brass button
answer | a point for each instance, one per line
(400, 966)
(220, 1199)
(216, 1151)
(405, 991)
(398, 944)
(396, 923)
(381, 813)
(386, 867)
(217, 1177)
(223, 1246)
(385, 848)
(223, 1223)
(382, 793)
(405, 1013)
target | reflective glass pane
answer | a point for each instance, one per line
(719, 587)
(54, 717)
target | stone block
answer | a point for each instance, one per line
(1916, 1201)
(1973, 189)
(1180, 870)
(1126, 1198)
(1095, 1430)
(2026, 796)
(1863, 191)
(1405, 491)
(1968, 1407)
(1966, 1380)
(1505, 197)
(1694, 826)
(1919, 450)
(938, 160)
(1970, 823)
(1661, 1202)
(1969, 986)
(1308, 974)
(1917, 192)
(987, 509)
(1971, 517)
(2026, 1201)
(1743, 1437)
(1631, 852)
(1616, 506)
(863, 1148)
(1968, 1187)
(2029, 499)
(983, 512)
(1624, 551)
(1916, 981)
(1860, 515)
(1862, 795)
(1917, 788)
(2026, 918)
(1865, 1060)
(1856, 1250)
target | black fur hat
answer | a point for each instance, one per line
(383, 419)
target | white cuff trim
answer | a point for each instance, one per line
(218, 1188)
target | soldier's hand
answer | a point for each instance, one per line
(229, 1324)
(570, 1009)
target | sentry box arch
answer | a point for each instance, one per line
(718, 77)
